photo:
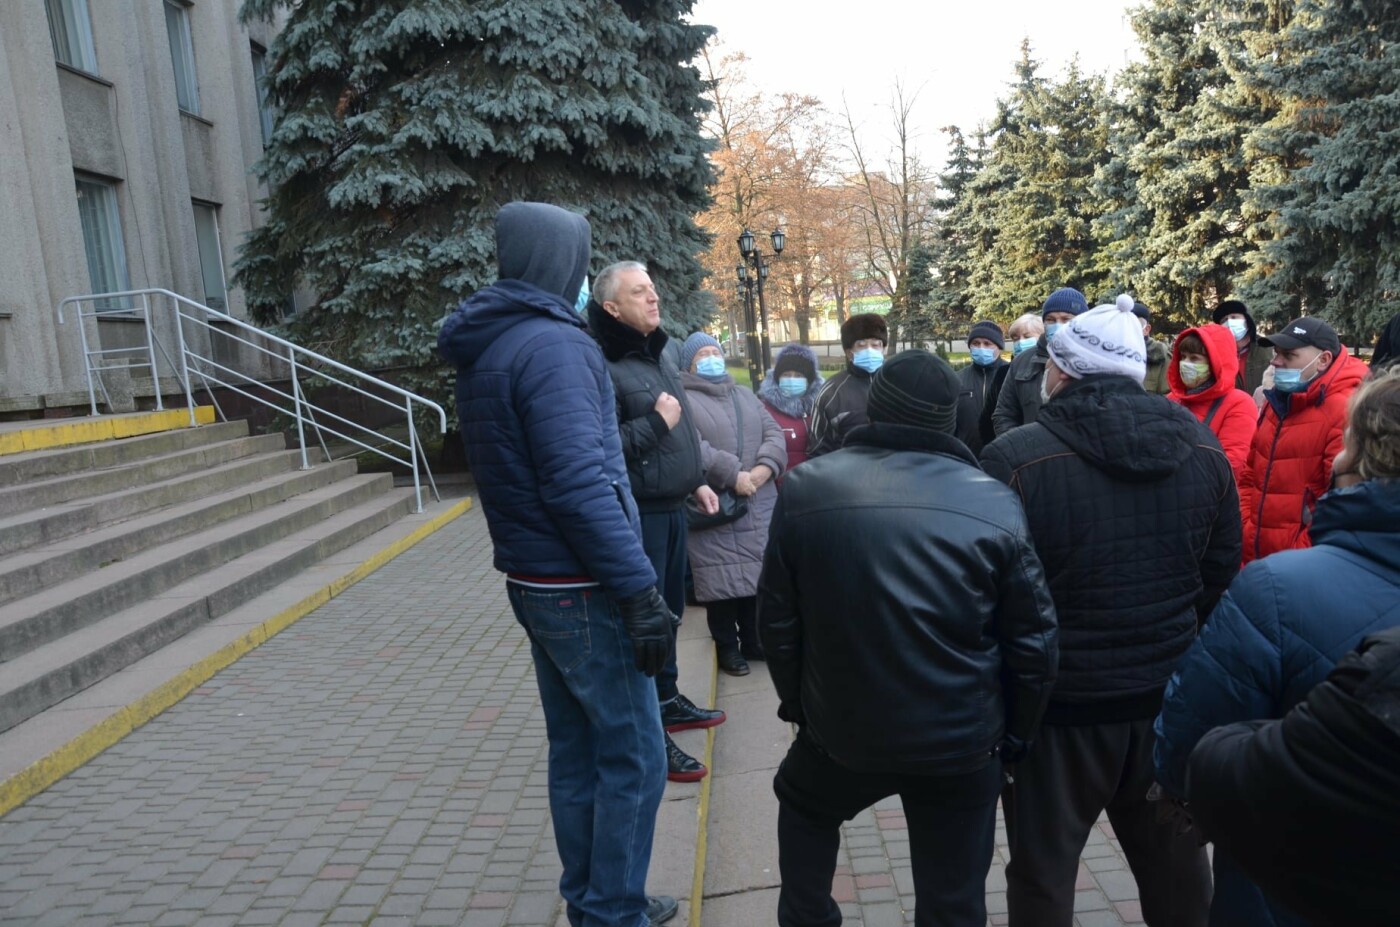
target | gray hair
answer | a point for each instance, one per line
(1030, 323)
(605, 284)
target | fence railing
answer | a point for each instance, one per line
(219, 350)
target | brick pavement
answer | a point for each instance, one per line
(383, 760)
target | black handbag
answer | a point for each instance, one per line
(732, 506)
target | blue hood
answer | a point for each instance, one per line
(488, 313)
(1363, 519)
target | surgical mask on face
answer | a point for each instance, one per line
(1045, 394)
(584, 292)
(1193, 374)
(1287, 380)
(1238, 327)
(792, 386)
(1052, 328)
(868, 359)
(710, 366)
(1025, 344)
(983, 357)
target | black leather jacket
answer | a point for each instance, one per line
(902, 608)
(663, 464)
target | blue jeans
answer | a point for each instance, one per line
(607, 762)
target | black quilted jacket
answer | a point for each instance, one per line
(1134, 513)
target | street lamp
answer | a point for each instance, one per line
(760, 356)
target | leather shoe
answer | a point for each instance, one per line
(733, 663)
(681, 714)
(661, 908)
(681, 766)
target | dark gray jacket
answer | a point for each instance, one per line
(1019, 401)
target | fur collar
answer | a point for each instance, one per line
(619, 340)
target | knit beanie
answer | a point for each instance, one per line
(692, 347)
(793, 358)
(915, 388)
(861, 327)
(1104, 340)
(1065, 299)
(989, 330)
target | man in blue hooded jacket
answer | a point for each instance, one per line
(539, 420)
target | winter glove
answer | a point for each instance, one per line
(1012, 750)
(650, 624)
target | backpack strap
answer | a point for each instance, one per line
(1214, 407)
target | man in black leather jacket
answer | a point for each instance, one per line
(662, 450)
(1133, 507)
(911, 637)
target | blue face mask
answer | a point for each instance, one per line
(1052, 328)
(984, 357)
(1025, 344)
(1287, 380)
(584, 292)
(792, 386)
(710, 366)
(869, 359)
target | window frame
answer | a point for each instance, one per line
(266, 113)
(180, 33)
(75, 21)
(104, 221)
(201, 239)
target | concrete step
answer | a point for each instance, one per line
(31, 466)
(54, 523)
(181, 507)
(144, 472)
(68, 606)
(18, 437)
(58, 669)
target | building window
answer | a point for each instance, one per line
(260, 88)
(177, 27)
(211, 257)
(102, 240)
(70, 28)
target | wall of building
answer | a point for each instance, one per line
(121, 124)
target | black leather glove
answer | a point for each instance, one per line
(650, 624)
(1012, 750)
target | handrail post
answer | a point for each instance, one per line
(151, 349)
(87, 358)
(413, 455)
(296, 403)
(184, 362)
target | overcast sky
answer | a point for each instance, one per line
(958, 56)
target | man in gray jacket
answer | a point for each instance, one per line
(1021, 396)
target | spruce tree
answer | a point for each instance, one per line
(957, 241)
(403, 126)
(1337, 213)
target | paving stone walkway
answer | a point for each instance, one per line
(380, 762)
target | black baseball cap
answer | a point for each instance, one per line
(1309, 331)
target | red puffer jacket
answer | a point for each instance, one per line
(1290, 461)
(1235, 415)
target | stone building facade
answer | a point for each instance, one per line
(128, 134)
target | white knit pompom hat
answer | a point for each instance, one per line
(1106, 339)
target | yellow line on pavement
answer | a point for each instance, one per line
(697, 886)
(29, 782)
(45, 435)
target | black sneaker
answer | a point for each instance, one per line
(681, 714)
(661, 908)
(681, 766)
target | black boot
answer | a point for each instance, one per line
(731, 661)
(681, 766)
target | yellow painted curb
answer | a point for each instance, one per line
(29, 782)
(46, 435)
(697, 886)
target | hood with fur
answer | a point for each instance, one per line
(794, 406)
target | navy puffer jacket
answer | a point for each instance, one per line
(539, 420)
(1285, 622)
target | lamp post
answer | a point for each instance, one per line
(760, 355)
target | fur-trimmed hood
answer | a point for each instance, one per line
(795, 406)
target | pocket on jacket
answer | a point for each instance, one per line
(557, 621)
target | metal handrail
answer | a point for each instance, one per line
(298, 359)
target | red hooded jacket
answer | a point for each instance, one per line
(1236, 415)
(1290, 461)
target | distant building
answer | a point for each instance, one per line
(128, 133)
